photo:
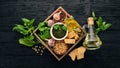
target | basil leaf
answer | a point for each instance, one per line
(30, 24)
(44, 35)
(56, 27)
(31, 37)
(93, 14)
(102, 27)
(104, 23)
(31, 21)
(41, 24)
(100, 19)
(106, 26)
(26, 42)
(45, 22)
(97, 30)
(20, 29)
(42, 29)
(26, 21)
(64, 28)
(30, 30)
(99, 22)
(27, 30)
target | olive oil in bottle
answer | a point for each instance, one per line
(92, 41)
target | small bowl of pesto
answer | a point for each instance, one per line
(59, 31)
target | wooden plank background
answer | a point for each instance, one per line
(14, 55)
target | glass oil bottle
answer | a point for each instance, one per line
(92, 41)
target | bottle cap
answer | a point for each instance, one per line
(90, 21)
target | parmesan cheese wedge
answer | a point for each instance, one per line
(78, 52)
(69, 41)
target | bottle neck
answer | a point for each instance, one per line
(91, 32)
(91, 29)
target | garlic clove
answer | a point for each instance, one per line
(50, 22)
(56, 16)
(51, 42)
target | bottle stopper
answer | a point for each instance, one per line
(90, 21)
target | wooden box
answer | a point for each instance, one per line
(46, 45)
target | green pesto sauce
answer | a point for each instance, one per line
(59, 33)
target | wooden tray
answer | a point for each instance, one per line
(46, 45)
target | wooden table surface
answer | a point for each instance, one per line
(14, 55)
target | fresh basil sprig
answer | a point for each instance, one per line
(60, 27)
(26, 29)
(44, 30)
(101, 24)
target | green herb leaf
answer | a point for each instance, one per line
(20, 29)
(106, 26)
(64, 28)
(42, 29)
(104, 23)
(26, 42)
(100, 19)
(56, 27)
(99, 22)
(42, 37)
(93, 14)
(97, 30)
(30, 30)
(45, 35)
(26, 21)
(101, 25)
(31, 37)
(46, 23)
(31, 22)
(42, 24)
(27, 30)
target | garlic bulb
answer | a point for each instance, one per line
(56, 16)
(51, 42)
(50, 22)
